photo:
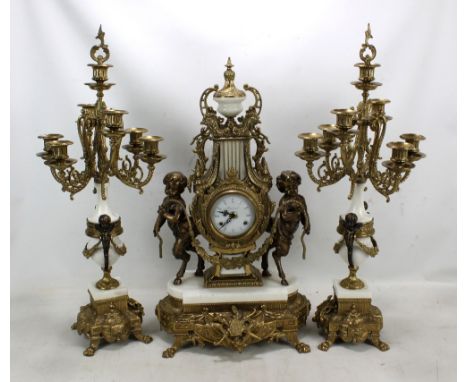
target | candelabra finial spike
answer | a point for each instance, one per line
(229, 64)
(101, 34)
(368, 33)
(101, 47)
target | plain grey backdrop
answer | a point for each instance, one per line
(300, 56)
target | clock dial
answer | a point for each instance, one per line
(232, 214)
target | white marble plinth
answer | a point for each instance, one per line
(341, 292)
(98, 294)
(192, 291)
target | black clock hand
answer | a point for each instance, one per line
(226, 222)
(225, 212)
(232, 215)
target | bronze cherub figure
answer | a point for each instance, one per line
(292, 210)
(351, 227)
(173, 210)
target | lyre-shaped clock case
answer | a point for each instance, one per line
(232, 176)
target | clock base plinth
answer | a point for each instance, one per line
(111, 316)
(213, 278)
(232, 317)
(349, 316)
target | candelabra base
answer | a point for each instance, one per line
(349, 316)
(111, 316)
(231, 318)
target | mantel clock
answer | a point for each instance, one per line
(236, 304)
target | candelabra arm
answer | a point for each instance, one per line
(347, 155)
(329, 172)
(72, 180)
(131, 174)
(378, 127)
(387, 182)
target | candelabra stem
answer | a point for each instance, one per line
(107, 281)
(352, 281)
(357, 205)
(102, 204)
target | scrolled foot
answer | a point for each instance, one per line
(199, 273)
(177, 281)
(382, 346)
(143, 338)
(301, 347)
(284, 282)
(74, 326)
(325, 345)
(169, 352)
(266, 273)
(375, 340)
(89, 351)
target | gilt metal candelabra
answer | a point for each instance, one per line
(351, 148)
(111, 315)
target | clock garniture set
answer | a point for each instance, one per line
(231, 222)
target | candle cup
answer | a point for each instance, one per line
(400, 151)
(310, 142)
(48, 138)
(344, 118)
(151, 144)
(59, 150)
(113, 119)
(135, 145)
(329, 141)
(366, 72)
(88, 112)
(135, 134)
(414, 139)
(100, 72)
(378, 106)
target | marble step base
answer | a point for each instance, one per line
(232, 317)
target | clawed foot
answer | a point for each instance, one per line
(89, 351)
(382, 346)
(144, 338)
(301, 347)
(169, 352)
(177, 281)
(284, 282)
(325, 345)
(266, 273)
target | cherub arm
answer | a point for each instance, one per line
(160, 220)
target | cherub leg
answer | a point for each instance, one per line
(180, 253)
(200, 266)
(265, 272)
(281, 250)
(277, 258)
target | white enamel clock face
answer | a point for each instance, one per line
(232, 214)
